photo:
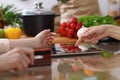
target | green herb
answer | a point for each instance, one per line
(9, 14)
(95, 20)
(106, 54)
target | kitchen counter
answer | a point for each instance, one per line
(92, 67)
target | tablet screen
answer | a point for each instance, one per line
(70, 50)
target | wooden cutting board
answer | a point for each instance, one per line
(60, 39)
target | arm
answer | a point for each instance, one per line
(41, 40)
(28, 42)
(94, 34)
(114, 32)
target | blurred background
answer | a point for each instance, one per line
(66, 9)
(22, 4)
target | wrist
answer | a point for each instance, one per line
(33, 43)
(109, 29)
(36, 43)
(4, 45)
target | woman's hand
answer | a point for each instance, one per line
(93, 34)
(44, 38)
(17, 59)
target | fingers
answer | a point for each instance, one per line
(83, 36)
(25, 61)
(93, 40)
(51, 34)
(30, 53)
(50, 37)
(89, 32)
(46, 31)
(48, 41)
(24, 57)
(78, 41)
(89, 36)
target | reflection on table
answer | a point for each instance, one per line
(37, 73)
(72, 68)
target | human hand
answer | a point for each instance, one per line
(44, 38)
(17, 59)
(93, 35)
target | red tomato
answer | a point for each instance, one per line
(64, 24)
(74, 20)
(71, 31)
(72, 25)
(75, 34)
(80, 23)
(78, 49)
(69, 35)
(67, 29)
(68, 24)
(73, 50)
(62, 31)
(62, 45)
(77, 27)
(68, 48)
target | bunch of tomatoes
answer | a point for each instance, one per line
(70, 48)
(69, 29)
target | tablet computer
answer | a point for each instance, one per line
(65, 50)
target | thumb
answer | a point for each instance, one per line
(43, 32)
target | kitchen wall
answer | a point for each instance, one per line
(24, 4)
(104, 7)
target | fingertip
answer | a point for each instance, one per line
(48, 29)
(54, 33)
(77, 43)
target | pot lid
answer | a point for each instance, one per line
(37, 10)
